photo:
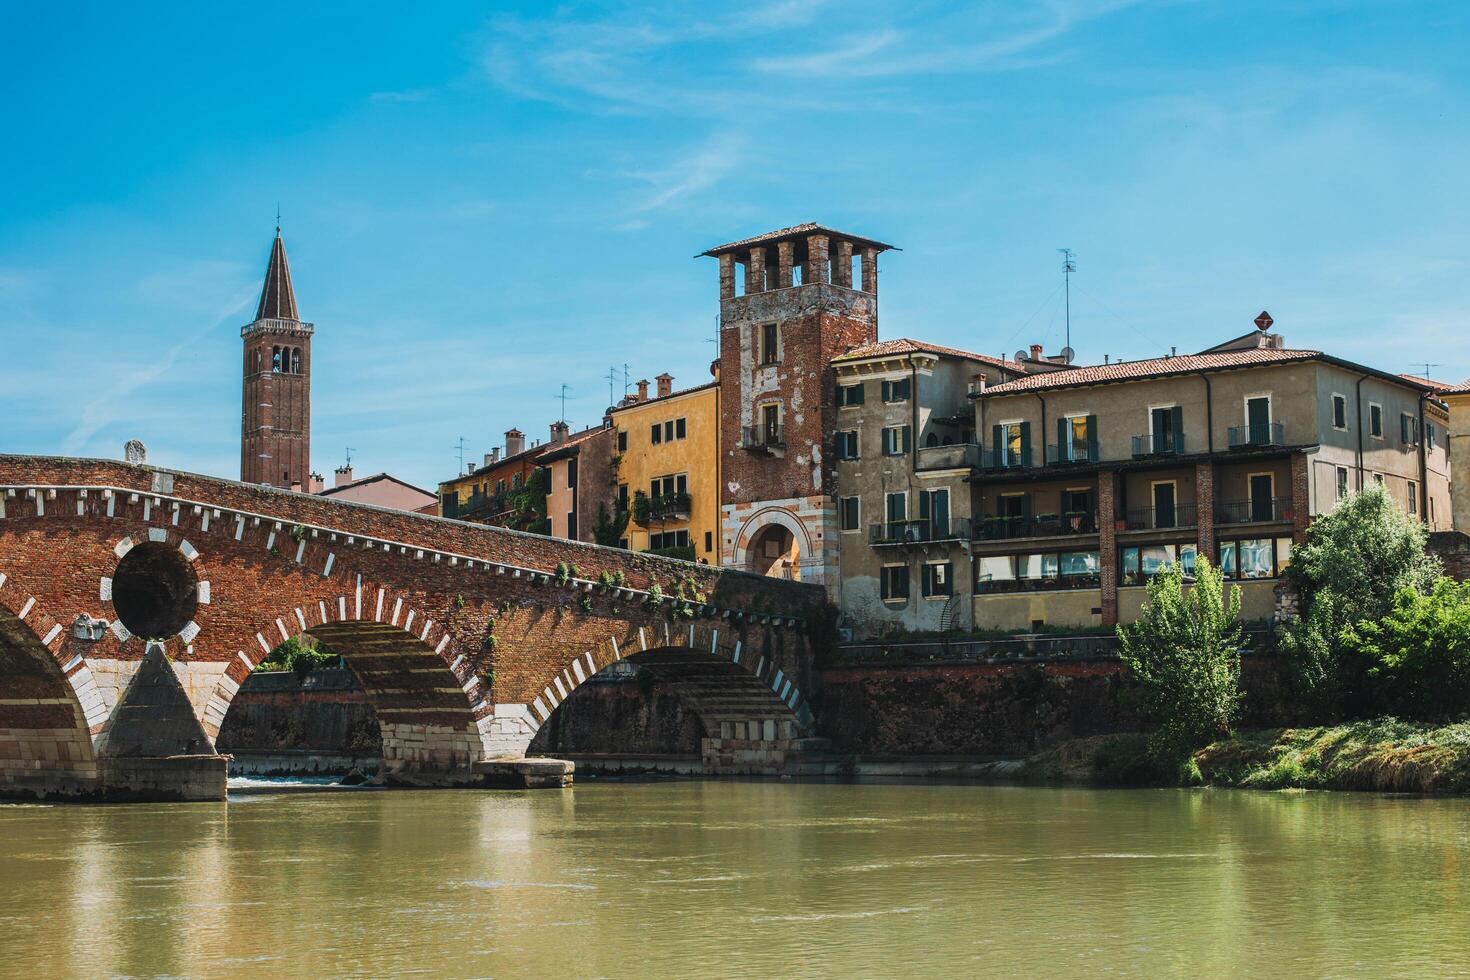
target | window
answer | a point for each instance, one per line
(894, 583)
(934, 512)
(709, 541)
(1408, 429)
(500, 486)
(771, 424)
(848, 508)
(1011, 443)
(1166, 429)
(623, 497)
(1339, 412)
(1375, 421)
(1429, 435)
(896, 391)
(896, 440)
(1077, 439)
(1342, 482)
(938, 579)
(668, 539)
(667, 486)
(572, 525)
(515, 481)
(1258, 420)
(1413, 497)
(622, 440)
(1255, 558)
(846, 445)
(1137, 565)
(849, 395)
(669, 431)
(897, 507)
(770, 344)
(656, 434)
(680, 428)
(1038, 572)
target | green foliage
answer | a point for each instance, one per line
(1184, 652)
(655, 595)
(298, 533)
(1353, 563)
(563, 573)
(301, 654)
(1418, 655)
(609, 529)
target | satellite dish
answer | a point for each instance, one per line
(1020, 356)
(1068, 355)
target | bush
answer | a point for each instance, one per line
(1184, 652)
(301, 654)
(1418, 656)
(1355, 560)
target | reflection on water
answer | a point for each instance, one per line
(723, 878)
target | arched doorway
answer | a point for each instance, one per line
(775, 552)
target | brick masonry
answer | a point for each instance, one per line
(410, 600)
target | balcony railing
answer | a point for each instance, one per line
(1040, 526)
(1151, 518)
(919, 531)
(661, 509)
(1073, 452)
(762, 437)
(988, 586)
(951, 457)
(1261, 509)
(1004, 460)
(1257, 434)
(1160, 444)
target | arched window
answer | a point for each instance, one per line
(295, 360)
(931, 440)
(275, 360)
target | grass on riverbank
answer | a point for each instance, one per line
(1383, 755)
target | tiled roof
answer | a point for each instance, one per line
(277, 298)
(903, 345)
(1463, 388)
(794, 231)
(1430, 383)
(660, 398)
(556, 449)
(1152, 368)
(375, 478)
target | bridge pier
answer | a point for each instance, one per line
(163, 779)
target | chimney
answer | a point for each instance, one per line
(315, 483)
(559, 432)
(1036, 352)
(492, 457)
(295, 486)
(643, 391)
(665, 384)
(515, 442)
(343, 476)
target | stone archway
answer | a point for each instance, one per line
(774, 543)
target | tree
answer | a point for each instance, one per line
(1184, 653)
(1418, 655)
(1353, 563)
(609, 529)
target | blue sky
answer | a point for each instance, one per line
(481, 204)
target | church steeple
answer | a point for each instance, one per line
(277, 298)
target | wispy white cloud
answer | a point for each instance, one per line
(702, 168)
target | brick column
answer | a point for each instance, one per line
(870, 269)
(727, 276)
(785, 254)
(1107, 544)
(1204, 496)
(755, 272)
(842, 269)
(817, 268)
(1301, 498)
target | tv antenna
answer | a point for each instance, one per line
(563, 397)
(612, 376)
(1069, 266)
(1427, 367)
(460, 448)
(350, 451)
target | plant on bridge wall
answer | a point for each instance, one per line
(563, 573)
(298, 533)
(655, 595)
(586, 603)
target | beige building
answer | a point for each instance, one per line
(1093, 480)
(904, 449)
(381, 490)
(1457, 399)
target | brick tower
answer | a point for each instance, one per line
(789, 304)
(275, 427)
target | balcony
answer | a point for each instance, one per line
(661, 509)
(1067, 454)
(1040, 526)
(1257, 434)
(952, 457)
(1260, 510)
(992, 586)
(1161, 518)
(762, 438)
(919, 531)
(1159, 444)
(1004, 460)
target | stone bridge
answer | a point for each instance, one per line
(135, 600)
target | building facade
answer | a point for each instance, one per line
(579, 482)
(904, 449)
(790, 302)
(379, 490)
(1092, 481)
(1457, 400)
(508, 490)
(666, 469)
(275, 421)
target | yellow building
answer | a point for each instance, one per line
(667, 469)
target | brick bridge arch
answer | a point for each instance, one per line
(465, 637)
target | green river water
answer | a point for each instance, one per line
(716, 879)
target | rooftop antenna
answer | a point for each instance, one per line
(350, 451)
(625, 379)
(1069, 266)
(612, 375)
(1427, 367)
(563, 397)
(460, 447)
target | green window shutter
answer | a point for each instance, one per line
(1062, 447)
(997, 442)
(924, 509)
(908, 438)
(888, 391)
(1178, 419)
(837, 398)
(1025, 443)
(1092, 438)
(857, 391)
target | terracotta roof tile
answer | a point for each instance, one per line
(1151, 368)
(1429, 383)
(904, 345)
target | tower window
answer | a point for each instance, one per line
(275, 360)
(295, 360)
(770, 344)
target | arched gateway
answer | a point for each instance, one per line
(134, 602)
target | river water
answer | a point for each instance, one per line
(716, 879)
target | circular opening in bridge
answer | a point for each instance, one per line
(154, 591)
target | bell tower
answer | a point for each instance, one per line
(275, 424)
(790, 301)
